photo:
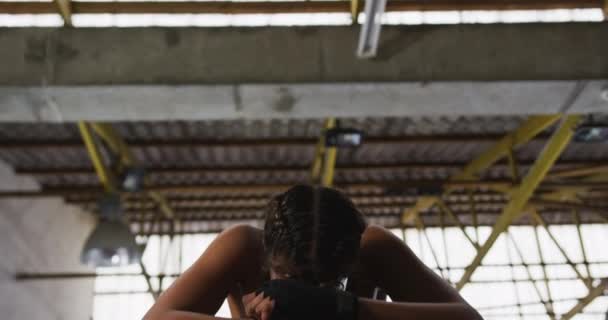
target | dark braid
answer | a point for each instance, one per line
(312, 233)
(314, 247)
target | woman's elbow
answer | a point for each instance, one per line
(156, 314)
(150, 315)
(163, 315)
(472, 314)
(177, 315)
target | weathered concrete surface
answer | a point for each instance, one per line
(224, 73)
(102, 56)
(41, 235)
(117, 103)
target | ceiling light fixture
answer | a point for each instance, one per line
(591, 133)
(111, 243)
(132, 180)
(370, 31)
(604, 94)
(343, 137)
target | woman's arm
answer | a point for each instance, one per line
(184, 315)
(416, 290)
(380, 310)
(233, 257)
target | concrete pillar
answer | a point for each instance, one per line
(41, 235)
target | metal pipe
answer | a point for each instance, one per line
(547, 304)
(454, 218)
(542, 222)
(594, 292)
(544, 268)
(577, 222)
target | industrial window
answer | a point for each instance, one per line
(500, 289)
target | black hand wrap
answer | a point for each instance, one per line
(297, 300)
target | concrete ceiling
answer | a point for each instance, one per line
(231, 73)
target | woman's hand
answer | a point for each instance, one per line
(257, 306)
(298, 300)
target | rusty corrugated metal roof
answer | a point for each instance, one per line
(396, 151)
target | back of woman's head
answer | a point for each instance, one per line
(313, 234)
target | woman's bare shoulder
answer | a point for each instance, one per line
(241, 239)
(243, 232)
(377, 233)
(405, 278)
(236, 252)
(234, 256)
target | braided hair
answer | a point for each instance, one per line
(312, 234)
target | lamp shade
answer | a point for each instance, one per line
(111, 244)
(343, 137)
(591, 133)
(133, 179)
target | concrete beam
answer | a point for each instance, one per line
(132, 103)
(222, 73)
(110, 56)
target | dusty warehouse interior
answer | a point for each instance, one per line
(291, 160)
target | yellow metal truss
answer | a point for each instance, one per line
(354, 11)
(520, 195)
(324, 163)
(106, 177)
(520, 201)
(120, 148)
(528, 130)
(114, 141)
(540, 221)
(594, 292)
(65, 10)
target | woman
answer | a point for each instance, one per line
(314, 240)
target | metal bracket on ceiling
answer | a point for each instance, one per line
(65, 10)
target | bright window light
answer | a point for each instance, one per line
(301, 19)
(587, 15)
(441, 17)
(480, 16)
(30, 20)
